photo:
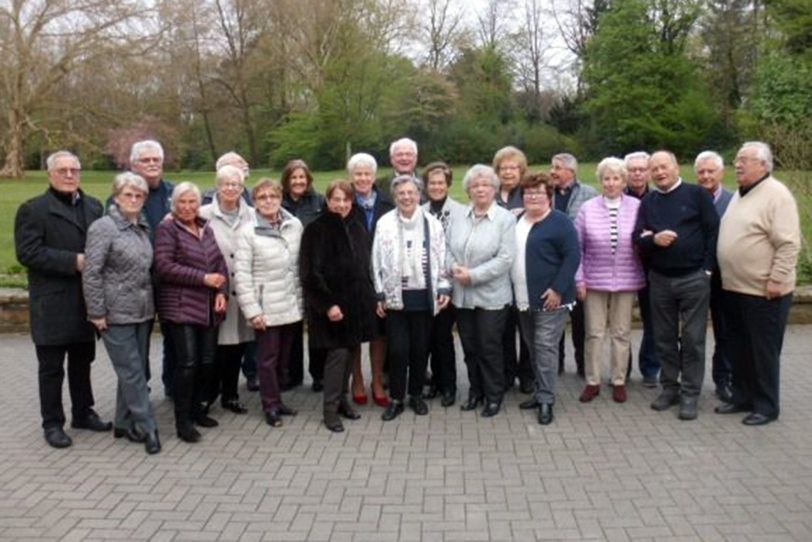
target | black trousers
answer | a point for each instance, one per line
(194, 348)
(407, 341)
(227, 361)
(578, 338)
(755, 337)
(720, 370)
(481, 336)
(51, 374)
(441, 351)
(515, 366)
(337, 368)
(296, 364)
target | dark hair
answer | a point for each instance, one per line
(532, 180)
(438, 166)
(340, 184)
(290, 168)
(265, 184)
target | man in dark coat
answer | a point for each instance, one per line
(49, 235)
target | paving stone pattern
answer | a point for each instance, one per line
(602, 471)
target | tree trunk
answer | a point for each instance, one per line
(13, 168)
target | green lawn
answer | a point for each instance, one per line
(98, 184)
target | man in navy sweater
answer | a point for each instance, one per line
(676, 231)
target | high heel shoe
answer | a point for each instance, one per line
(380, 400)
(360, 399)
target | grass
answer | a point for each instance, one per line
(98, 183)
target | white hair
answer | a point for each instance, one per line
(50, 162)
(128, 178)
(140, 147)
(714, 157)
(479, 171)
(228, 159)
(637, 155)
(403, 179)
(763, 152)
(403, 142)
(612, 165)
(227, 173)
(361, 159)
(181, 189)
(567, 160)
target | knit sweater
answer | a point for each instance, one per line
(759, 239)
(552, 256)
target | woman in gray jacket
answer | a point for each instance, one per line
(118, 294)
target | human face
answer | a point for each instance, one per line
(749, 168)
(612, 183)
(509, 174)
(229, 192)
(536, 202)
(436, 187)
(562, 175)
(150, 166)
(403, 159)
(65, 176)
(186, 207)
(339, 203)
(709, 175)
(638, 174)
(362, 180)
(297, 183)
(664, 170)
(268, 203)
(481, 192)
(407, 197)
(130, 201)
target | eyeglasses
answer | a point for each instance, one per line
(534, 195)
(233, 186)
(151, 159)
(266, 197)
(65, 171)
(132, 195)
(509, 168)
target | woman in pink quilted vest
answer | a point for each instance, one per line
(608, 278)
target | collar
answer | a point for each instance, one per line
(676, 185)
(563, 190)
(367, 202)
(490, 212)
(744, 190)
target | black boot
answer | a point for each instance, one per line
(184, 390)
(200, 409)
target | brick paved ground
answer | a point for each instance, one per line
(601, 472)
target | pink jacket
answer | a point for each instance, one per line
(600, 269)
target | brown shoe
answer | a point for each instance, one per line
(619, 393)
(590, 392)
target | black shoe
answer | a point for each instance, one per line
(251, 384)
(527, 387)
(448, 398)
(418, 405)
(471, 403)
(317, 385)
(92, 422)
(688, 408)
(57, 438)
(334, 424)
(490, 410)
(204, 420)
(731, 408)
(285, 410)
(665, 400)
(273, 419)
(530, 404)
(394, 410)
(152, 444)
(756, 418)
(348, 412)
(132, 434)
(187, 433)
(432, 392)
(545, 414)
(234, 406)
(724, 393)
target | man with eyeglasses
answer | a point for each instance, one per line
(49, 234)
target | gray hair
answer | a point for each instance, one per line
(128, 178)
(567, 160)
(361, 159)
(229, 159)
(612, 165)
(403, 179)
(637, 155)
(52, 158)
(704, 156)
(227, 173)
(477, 171)
(403, 142)
(763, 152)
(140, 147)
(181, 189)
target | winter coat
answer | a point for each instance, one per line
(181, 262)
(117, 280)
(383, 204)
(335, 270)
(267, 270)
(234, 329)
(49, 231)
(600, 269)
(581, 193)
(387, 265)
(307, 209)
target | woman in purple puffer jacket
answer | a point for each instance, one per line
(609, 276)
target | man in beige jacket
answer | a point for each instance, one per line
(759, 241)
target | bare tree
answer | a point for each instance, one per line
(492, 20)
(530, 45)
(444, 30)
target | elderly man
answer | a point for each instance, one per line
(710, 169)
(759, 241)
(637, 187)
(676, 231)
(569, 195)
(403, 157)
(49, 233)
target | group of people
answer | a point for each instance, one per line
(235, 278)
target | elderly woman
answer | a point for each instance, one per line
(192, 288)
(118, 294)
(408, 259)
(481, 248)
(437, 178)
(370, 205)
(268, 290)
(303, 202)
(340, 299)
(609, 276)
(225, 215)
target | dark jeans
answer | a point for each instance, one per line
(481, 336)
(249, 361)
(720, 370)
(337, 368)
(51, 374)
(679, 308)
(127, 347)
(756, 328)
(521, 367)
(194, 348)
(578, 339)
(441, 351)
(227, 361)
(317, 357)
(273, 354)
(296, 364)
(647, 356)
(407, 339)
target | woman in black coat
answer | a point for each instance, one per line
(339, 296)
